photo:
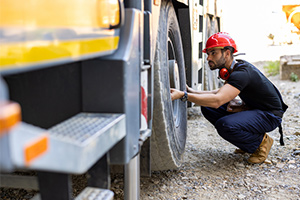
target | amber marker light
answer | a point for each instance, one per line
(10, 114)
(35, 148)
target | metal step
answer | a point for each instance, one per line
(19, 181)
(83, 127)
(91, 193)
(75, 144)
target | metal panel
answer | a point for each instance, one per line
(148, 37)
(130, 58)
(3, 90)
(55, 186)
(5, 158)
(99, 174)
(192, 39)
(185, 29)
(47, 96)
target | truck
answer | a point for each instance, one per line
(85, 85)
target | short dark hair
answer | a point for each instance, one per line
(231, 49)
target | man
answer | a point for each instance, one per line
(244, 122)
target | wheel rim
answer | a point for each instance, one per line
(174, 79)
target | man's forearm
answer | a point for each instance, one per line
(190, 90)
(204, 99)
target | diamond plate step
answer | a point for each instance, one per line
(75, 144)
(90, 193)
(82, 127)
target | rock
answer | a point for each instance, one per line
(297, 96)
(297, 152)
(280, 165)
(268, 162)
(239, 165)
(292, 162)
(297, 133)
(292, 166)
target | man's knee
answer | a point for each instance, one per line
(225, 127)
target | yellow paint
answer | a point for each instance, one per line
(12, 54)
(59, 13)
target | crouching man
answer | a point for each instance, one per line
(243, 122)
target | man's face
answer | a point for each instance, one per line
(215, 58)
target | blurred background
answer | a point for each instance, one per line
(260, 28)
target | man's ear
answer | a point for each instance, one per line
(228, 53)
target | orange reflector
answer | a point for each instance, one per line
(156, 2)
(35, 148)
(10, 114)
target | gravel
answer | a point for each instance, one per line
(211, 170)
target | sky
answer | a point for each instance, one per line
(249, 22)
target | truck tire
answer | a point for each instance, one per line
(169, 117)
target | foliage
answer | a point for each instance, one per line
(294, 77)
(272, 68)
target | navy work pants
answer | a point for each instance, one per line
(243, 129)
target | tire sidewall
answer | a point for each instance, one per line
(162, 100)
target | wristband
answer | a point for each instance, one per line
(184, 98)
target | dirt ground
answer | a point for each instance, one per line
(212, 171)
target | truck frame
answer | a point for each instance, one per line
(85, 85)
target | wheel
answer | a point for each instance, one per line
(211, 80)
(169, 118)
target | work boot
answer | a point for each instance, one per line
(261, 154)
(239, 151)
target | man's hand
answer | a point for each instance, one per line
(236, 105)
(176, 94)
(189, 89)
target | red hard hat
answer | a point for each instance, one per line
(220, 39)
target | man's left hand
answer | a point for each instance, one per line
(236, 105)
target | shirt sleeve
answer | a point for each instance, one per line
(239, 79)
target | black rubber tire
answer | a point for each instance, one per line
(169, 118)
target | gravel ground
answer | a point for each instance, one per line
(212, 171)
